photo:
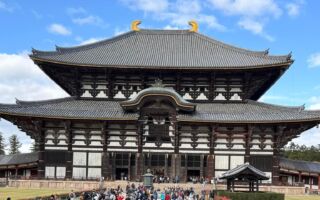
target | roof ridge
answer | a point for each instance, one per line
(40, 102)
(270, 105)
(260, 54)
(302, 161)
(76, 48)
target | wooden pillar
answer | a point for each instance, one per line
(318, 182)
(210, 157)
(16, 172)
(41, 148)
(247, 144)
(166, 165)
(129, 167)
(310, 182)
(139, 154)
(276, 150)
(299, 180)
(201, 165)
(69, 162)
(139, 166)
(105, 171)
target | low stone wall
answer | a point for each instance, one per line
(89, 185)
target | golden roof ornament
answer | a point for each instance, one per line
(158, 83)
(194, 26)
(134, 25)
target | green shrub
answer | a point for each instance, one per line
(251, 195)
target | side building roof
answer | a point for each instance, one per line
(16, 159)
(246, 112)
(161, 49)
(300, 165)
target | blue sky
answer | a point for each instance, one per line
(281, 25)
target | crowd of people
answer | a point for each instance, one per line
(133, 192)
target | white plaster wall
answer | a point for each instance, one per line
(80, 158)
(94, 159)
(221, 162)
(61, 172)
(94, 172)
(235, 161)
(79, 172)
(49, 171)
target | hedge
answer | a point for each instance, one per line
(251, 195)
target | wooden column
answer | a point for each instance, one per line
(276, 150)
(166, 165)
(310, 182)
(318, 182)
(105, 171)
(299, 180)
(210, 157)
(139, 155)
(201, 166)
(69, 162)
(41, 148)
(129, 167)
(247, 144)
(175, 159)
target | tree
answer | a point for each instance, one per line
(14, 144)
(2, 145)
(34, 147)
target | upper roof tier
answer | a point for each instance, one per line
(161, 49)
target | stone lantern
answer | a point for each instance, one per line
(148, 179)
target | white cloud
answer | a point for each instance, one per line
(304, 137)
(255, 27)
(169, 27)
(253, 13)
(89, 20)
(177, 13)
(5, 7)
(119, 31)
(21, 78)
(314, 103)
(293, 9)
(74, 11)
(80, 16)
(90, 40)
(314, 60)
(249, 8)
(155, 6)
(59, 29)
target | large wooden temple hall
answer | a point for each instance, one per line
(175, 101)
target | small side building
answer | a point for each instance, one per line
(23, 166)
(300, 173)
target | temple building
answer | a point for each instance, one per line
(175, 101)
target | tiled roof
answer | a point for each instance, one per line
(242, 112)
(244, 170)
(299, 165)
(16, 159)
(161, 49)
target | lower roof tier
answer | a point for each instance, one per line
(246, 112)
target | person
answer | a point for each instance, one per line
(72, 195)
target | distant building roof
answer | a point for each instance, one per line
(242, 112)
(16, 159)
(161, 49)
(299, 165)
(244, 171)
